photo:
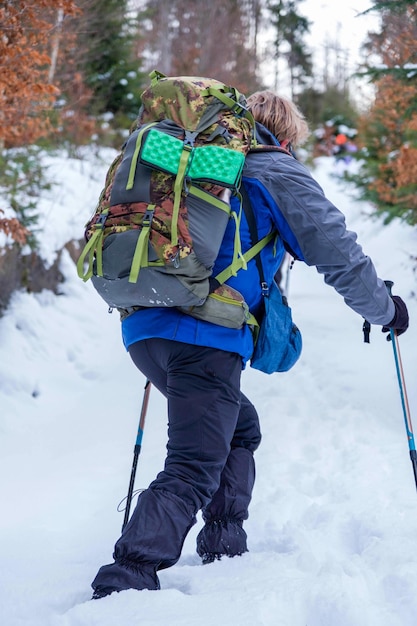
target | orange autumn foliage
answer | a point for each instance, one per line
(389, 130)
(393, 145)
(13, 228)
(25, 91)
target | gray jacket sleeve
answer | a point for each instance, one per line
(320, 230)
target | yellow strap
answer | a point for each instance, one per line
(246, 257)
(232, 104)
(156, 76)
(178, 187)
(135, 156)
(252, 321)
(238, 261)
(99, 254)
(94, 245)
(140, 256)
(198, 192)
(239, 109)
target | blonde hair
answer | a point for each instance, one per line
(279, 115)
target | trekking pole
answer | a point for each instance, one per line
(136, 451)
(287, 277)
(403, 392)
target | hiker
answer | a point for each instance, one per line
(213, 429)
(340, 142)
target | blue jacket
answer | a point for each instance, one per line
(284, 196)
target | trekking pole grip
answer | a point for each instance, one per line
(389, 285)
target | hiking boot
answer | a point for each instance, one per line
(221, 538)
(121, 575)
(102, 592)
(210, 557)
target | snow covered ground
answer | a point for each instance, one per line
(333, 523)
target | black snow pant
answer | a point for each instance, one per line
(213, 431)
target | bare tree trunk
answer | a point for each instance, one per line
(55, 44)
(164, 37)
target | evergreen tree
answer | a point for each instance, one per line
(321, 106)
(290, 30)
(104, 55)
(388, 176)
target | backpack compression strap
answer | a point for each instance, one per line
(235, 106)
(240, 264)
(94, 247)
(250, 254)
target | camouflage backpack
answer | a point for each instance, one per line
(161, 217)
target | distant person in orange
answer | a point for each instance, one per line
(341, 139)
(340, 147)
(344, 149)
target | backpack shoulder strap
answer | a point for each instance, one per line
(253, 230)
(254, 250)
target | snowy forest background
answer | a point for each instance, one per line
(72, 71)
(333, 522)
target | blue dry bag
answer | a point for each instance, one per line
(279, 342)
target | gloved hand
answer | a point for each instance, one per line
(400, 320)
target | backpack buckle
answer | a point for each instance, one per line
(239, 110)
(148, 217)
(189, 139)
(102, 219)
(264, 289)
(174, 259)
